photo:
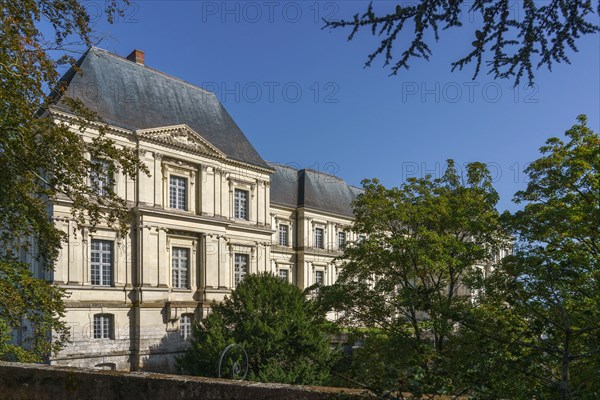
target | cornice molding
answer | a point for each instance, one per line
(181, 136)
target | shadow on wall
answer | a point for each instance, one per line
(160, 356)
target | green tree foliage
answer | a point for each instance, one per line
(517, 36)
(406, 280)
(282, 332)
(41, 160)
(539, 319)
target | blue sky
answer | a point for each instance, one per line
(302, 97)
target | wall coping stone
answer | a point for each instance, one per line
(20, 381)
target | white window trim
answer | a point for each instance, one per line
(248, 264)
(190, 245)
(289, 273)
(180, 285)
(185, 331)
(322, 271)
(288, 230)
(107, 179)
(111, 326)
(109, 236)
(112, 262)
(247, 205)
(250, 187)
(188, 172)
(323, 236)
(340, 232)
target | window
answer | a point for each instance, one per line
(101, 178)
(179, 265)
(101, 262)
(283, 235)
(319, 277)
(103, 324)
(319, 238)
(240, 206)
(284, 275)
(178, 192)
(341, 240)
(185, 326)
(241, 267)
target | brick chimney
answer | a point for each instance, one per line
(137, 56)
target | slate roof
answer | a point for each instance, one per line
(134, 96)
(312, 189)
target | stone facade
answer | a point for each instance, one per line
(203, 218)
(143, 302)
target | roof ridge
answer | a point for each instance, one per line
(154, 70)
(284, 165)
(325, 173)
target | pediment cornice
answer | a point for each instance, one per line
(182, 137)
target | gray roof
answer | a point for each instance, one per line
(134, 96)
(312, 189)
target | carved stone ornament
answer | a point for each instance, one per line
(181, 136)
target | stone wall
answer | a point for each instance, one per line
(45, 382)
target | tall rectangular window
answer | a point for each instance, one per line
(241, 267)
(103, 326)
(319, 277)
(178, 192)
(240, 204)
(180, 267)
(283, 235)
(319, 243)
(341, 240)
(101, 262)
(284, 275)
(101, 177)
(185, 325)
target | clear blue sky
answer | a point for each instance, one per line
(301, 94)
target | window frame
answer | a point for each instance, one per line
(319, 244)
(185, 327)
(238, 274)
(241, 211)
(322, 274)
(287, 274)
(104, 182)
(103, 326)
(176, 270)
(176, 205)
(286, 241)
(101, 264)
(342, 240)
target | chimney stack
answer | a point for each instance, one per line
(137, 56)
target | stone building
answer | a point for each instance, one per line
(211, 211)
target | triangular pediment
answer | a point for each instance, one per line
(181, 136)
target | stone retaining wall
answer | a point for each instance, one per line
(44, 382)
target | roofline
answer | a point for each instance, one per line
(55, 112)
(153, 70)
(312, 209)
(314, 171)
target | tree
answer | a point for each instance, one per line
(540, 312)
(405, 282)
(518, 39)
(287, 340)
(40, 160)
